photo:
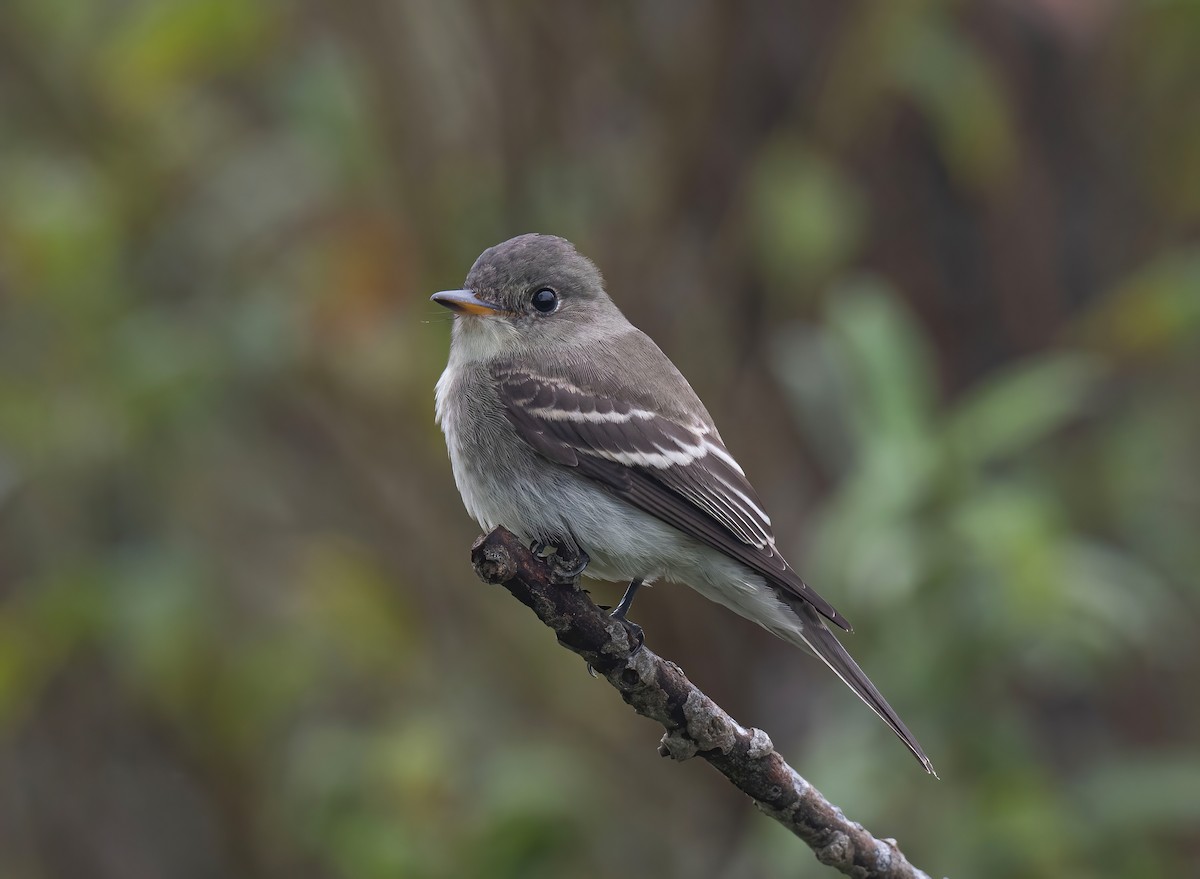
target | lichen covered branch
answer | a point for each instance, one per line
(695, 725)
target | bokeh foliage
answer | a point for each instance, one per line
(934, 267)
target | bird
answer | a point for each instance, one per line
(569, 426)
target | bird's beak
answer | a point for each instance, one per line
(464, 302)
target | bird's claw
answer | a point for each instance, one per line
(564, 569)
(637, 637)
(635, 633)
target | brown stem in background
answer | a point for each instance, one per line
(695, 725)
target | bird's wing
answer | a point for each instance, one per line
(673, 467)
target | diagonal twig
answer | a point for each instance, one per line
(695, 725)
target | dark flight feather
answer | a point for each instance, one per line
(679, 473)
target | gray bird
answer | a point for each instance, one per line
(568, 425)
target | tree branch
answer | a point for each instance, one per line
(695, 725)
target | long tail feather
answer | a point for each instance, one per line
(825, 645)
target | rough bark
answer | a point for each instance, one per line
(695, 725)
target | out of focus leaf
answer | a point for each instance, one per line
(60, 236)
(1152, 313)
(807, 216)
(350, 607)
(1126, 603)
(963, 99)
(159, 618)
(1020, 407)
(162, 45)
(1143, 793)
(893, 379)
(1015, 531)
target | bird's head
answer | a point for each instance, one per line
(530, 292)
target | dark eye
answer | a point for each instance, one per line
(544, 300)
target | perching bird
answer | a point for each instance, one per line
(567, 424)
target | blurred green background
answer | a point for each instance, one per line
(934, 266)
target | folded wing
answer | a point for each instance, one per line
(679, 472)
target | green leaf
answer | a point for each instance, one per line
(807, 216)
(1020, 407)
(889, 364)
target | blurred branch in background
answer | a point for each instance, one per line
(695, 725)
(933, 266)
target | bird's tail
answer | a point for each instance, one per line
(817, 637)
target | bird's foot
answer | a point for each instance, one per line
(566, 572)
(635, 633)
(637, 637)
(564, 567)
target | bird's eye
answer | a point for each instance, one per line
(544, 300)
